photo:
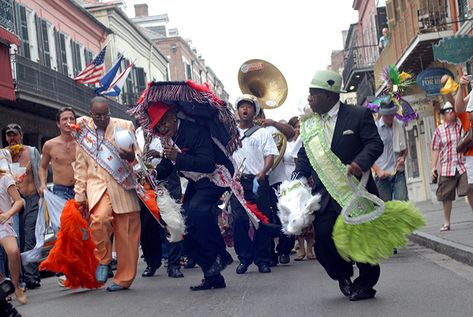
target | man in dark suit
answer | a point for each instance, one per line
(190, 149)
(354, 139)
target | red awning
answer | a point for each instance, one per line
(6, 80)
(8, 37)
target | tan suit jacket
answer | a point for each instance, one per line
(92, 180)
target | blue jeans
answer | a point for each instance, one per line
(393, 187)
(66, 192)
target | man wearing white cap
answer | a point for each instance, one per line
(452, 177)
(338, 140)
(256, 157)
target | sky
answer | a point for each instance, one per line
(296, 36)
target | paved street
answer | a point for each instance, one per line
(416, 282)
(456, 243)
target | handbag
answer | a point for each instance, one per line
(466, 142)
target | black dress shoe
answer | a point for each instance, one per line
(264, 268)
(216, 281)
(284, 259)
(149, 271)
(224, 260)
(242, 268)
(110, 271)
(33, 284)
(175, 272)
(113, 264)
(190, 264)
(362, 294)
(345, 286)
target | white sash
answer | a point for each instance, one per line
(106, 155)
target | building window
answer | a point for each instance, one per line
(140, 77)
(44, 51)
(129, 95)
(89, 56)
(22, 30)
(188, 71)
(61, 52)
(463, 9)
(76, 61)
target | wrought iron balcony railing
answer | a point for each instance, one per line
(6, 15)
(414, 21)
(359, 58)
(38, 80)
(431, 21)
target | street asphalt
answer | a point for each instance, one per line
(415, 282)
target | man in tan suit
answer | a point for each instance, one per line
(114, 208)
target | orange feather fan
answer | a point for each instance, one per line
(73, 252)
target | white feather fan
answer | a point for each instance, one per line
(296, 206)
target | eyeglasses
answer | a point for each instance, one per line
(101, 115)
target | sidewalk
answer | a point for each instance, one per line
(456, 243)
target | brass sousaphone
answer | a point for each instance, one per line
(263, 80)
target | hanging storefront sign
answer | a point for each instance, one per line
(429, 80)
(454, 49)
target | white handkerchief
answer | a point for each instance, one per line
(348, 132)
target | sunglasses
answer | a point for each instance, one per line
(101, 115)
(448, 111)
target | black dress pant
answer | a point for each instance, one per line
(326, 252)
(258, 249)
(286, 243)
(203, 240)
(152, 238)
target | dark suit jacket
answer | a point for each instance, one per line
(199, 153)
(363, 146)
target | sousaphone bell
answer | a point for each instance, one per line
(263, 80)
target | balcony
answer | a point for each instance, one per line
(42, 90)
(6, 15)
(412, 37)
(359, 60)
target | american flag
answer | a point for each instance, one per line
(94, 70)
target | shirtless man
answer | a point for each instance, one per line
(61, 153)
(28, 157)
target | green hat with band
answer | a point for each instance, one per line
(327, 80)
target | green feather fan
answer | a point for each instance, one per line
(372, 241)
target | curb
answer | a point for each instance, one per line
(457, 251)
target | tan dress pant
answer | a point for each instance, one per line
(126, 230)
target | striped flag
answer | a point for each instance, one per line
(107, 79)
(94, 70)
(116, 87)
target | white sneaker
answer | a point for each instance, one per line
(61, 280)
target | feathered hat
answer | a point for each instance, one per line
(196, 101)
(396, 84)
